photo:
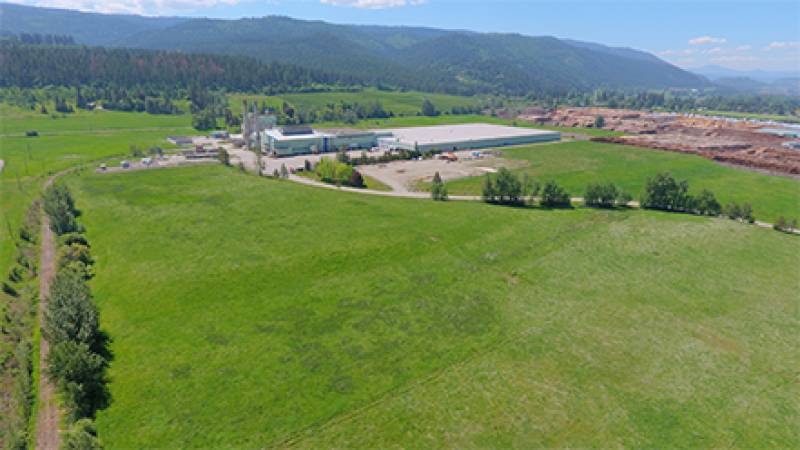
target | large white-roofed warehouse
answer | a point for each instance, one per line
(463, 137)
(289, 141)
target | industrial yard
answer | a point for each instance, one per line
(745, 143)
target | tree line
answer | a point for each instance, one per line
(669, 101)
(39, 39)
(78, 355)
(662, 192)
(18, 305)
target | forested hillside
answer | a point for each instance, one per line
(456, 62)
(30, 66)
(86, 28)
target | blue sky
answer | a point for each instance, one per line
(738, 34)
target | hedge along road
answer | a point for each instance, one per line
(48, 417)
(466, 198)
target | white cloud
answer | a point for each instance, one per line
(688, 51)
(713, 51)
(143, 7)
(783, 45)
(733, 59)
(706, 40)
(743, 48)
(373, 4)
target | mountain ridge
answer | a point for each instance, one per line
(452, 61)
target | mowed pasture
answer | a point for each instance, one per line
(246, 312)
(65, 141)
(399, 103)
(576, 164)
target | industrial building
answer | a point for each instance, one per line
(254, 124)
(298, 140)
(463, 137)
(289, 141)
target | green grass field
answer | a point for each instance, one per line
(64, 142)
(369, 182)
(337, 320)
(576, 164)
(400, 103)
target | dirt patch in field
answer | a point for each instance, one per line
(404, 176)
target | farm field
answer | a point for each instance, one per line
(576, 164)
(65, 142)
(365, 322)
(400, 103)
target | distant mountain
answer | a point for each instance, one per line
(714, 73)
(746, 85)
(618, 51)
(428, 59)
(86, 28)
(743, 84)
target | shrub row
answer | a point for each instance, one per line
(662, 192)
(399, 155)
(17, 323)
(78, 354)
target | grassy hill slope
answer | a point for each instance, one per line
(339, 320)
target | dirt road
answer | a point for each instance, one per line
(48, 418)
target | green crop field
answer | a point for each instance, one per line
(400, 103)
(65, 141)
(338, 320)
(576, 164)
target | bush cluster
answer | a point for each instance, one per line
(605, 196)
(438, 189)
(334, 171)
(17, 319)
(504, 188)
(665, 193)
(60, 208)
(743, 212)
(784, 225)
(78, 355)
(398, 155)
